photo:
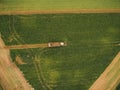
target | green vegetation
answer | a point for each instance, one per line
(118, 87)
(91, 39)
(1, 88)
(9, 5)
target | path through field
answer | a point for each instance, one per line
(110, 78)
(26, 46)
(11, 78)
(28, 12)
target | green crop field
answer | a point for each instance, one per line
(13, 5)
(91, 45)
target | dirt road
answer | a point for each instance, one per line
(11, 78)
(26, 46)
(110, 78)
(27, 12)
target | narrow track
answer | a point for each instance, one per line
(26, 46)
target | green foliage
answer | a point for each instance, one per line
(15, 5)
(118, 87)
(91, 45)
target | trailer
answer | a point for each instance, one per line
(56, 44)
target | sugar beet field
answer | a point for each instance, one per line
(92, 42)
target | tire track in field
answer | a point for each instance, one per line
(15, 36)
(40, 74)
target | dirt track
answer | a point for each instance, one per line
(27, 12)
(110, 78)
(11, 78)
(26, 46)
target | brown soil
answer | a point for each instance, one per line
(110, 78)
(11, 78)
(26, 12)
(19, 60)
(26, 46)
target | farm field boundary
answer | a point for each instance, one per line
(27, 12)
(11, 77)
(110, 78)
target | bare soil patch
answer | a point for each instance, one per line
(19, 60)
